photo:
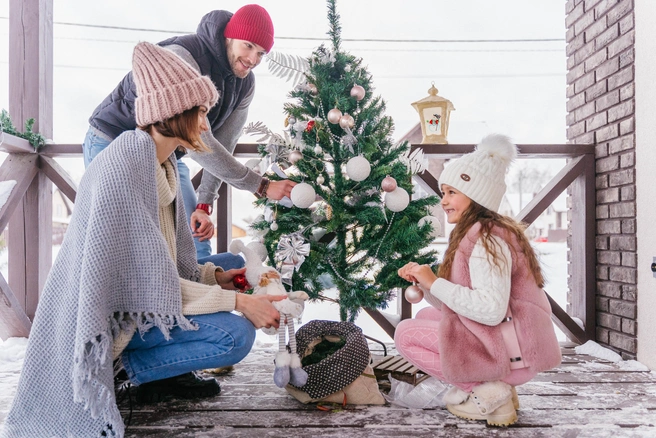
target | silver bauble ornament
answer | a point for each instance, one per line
(436, 227)
(294, 156)
(413, 294)
(358, 92)
(320, 180)
(388, 184)
(317, 149)
(397, 200)
(312, 89)
(303, 195)
(358, 168)
(334, 115)
(274, 226)
(346, 121)
(291, 120)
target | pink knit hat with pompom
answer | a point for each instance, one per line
(166, 85)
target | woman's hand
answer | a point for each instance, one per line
(224, 278)
(422, 274)
(259, 310)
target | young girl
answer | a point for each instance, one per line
(125, 287)
(489, 328)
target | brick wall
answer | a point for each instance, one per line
(600, 110)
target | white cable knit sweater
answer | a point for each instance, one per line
(487, 301)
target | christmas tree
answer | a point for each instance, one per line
(351, 218)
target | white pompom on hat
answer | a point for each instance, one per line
(481, 175)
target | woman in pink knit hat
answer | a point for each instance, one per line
(489, 325)
(126, 294)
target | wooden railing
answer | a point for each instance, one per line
(30, 207)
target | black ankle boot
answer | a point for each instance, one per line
(187, 386)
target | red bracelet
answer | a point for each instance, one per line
(207, 208)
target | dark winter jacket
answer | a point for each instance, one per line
(207, 46)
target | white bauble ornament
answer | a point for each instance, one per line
(294, 156)
(397, 200)
(259, 249)
(334, 115)
(388, 184)
(436, 227)
(274, 226)
(320, 179)
(303, 195)
(291, 120)
(317, 149)
(413, 294)
(358, 92)
(346, 121)
(358, 168)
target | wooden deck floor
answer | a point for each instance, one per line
(584, 397)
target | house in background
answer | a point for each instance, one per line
(550, 226)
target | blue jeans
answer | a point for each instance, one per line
(94, 144)
(222, 339)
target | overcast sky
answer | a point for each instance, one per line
(517, 88)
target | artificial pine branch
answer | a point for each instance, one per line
(335, 28)
(6, 125)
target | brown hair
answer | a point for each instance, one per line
(488, 219)
(183, 126)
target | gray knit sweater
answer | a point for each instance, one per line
(113, 263)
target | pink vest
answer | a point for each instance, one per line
(474, 352)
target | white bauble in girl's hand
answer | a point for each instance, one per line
(358, 168)
(436, 227)
(303, 195)
(413, 294)
(397, 200)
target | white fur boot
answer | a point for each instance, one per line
(490, 401)
(455, 396)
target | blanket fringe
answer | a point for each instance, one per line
(93, 370)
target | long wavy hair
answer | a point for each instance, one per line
(488, 219)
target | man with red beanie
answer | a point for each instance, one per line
(225, 47)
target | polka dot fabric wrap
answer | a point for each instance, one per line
(341, 368)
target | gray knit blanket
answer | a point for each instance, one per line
(113, 265)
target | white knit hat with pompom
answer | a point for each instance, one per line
(481, 175)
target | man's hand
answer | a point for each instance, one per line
(224, 279)
(279, 189)
(201, 225)
(259, 310)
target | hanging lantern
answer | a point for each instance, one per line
(434, 112)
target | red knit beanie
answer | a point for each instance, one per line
(166, 85)
(251, 23)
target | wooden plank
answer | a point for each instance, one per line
(59, 176)
(583, 248)
(449, 151)
(22, 169)
(552, 190)
(13, 320)
(224, 218)
(61, 150)
(565, 322)
(30, 244)
(15, 145)
(31, 69)
(381, 321)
